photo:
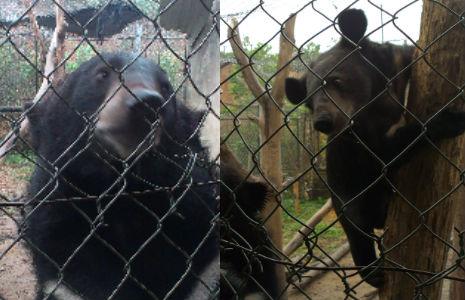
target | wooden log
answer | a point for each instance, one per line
(298, 238)
(311, 275)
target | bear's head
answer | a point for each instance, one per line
(115, 102)
(356, 76)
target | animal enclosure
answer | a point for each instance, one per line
(167, 149)
(374, 81)
(108, 175)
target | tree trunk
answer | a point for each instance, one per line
(429, 178)
(270, 122)
(457, 288)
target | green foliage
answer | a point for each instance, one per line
(21, 163)
(309, 52)
(20, 159)
(249, 131)
(82, 54)
(17, 76)
(172, 66)
(264, 64)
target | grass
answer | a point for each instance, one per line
(21, 164)
(15, 173)
(327, 236)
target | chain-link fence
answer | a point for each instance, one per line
(341, 161)
(388, 102)
(108, 176)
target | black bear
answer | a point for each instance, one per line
(121, 207)
(247, 269)
(353, 100)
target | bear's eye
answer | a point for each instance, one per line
(102, 74)
(337, 82)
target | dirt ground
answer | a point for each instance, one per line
(330, 286)
(18, 281)
(17, 278)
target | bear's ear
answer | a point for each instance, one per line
(353, 24)
(252, 196)
(296, 89)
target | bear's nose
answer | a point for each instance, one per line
(144, 98)
(323, 123)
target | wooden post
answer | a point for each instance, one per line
(295, 188)
(415, 230)
(457, 288)
(270, 121)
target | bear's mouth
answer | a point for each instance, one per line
(127, 143)
(324, 123)
(129, 122)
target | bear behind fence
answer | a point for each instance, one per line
(121, 208)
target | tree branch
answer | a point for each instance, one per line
(243, 60)
(38, 34)
(60, 32)
(226, 155)
(286, 47)
(51, 73)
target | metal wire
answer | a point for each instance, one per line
(157, 205)
(304, 151)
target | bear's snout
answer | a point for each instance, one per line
(144, 99)
(323, 123)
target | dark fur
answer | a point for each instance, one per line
(358, 89)
(87, 166)
(245, 272)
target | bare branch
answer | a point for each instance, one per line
(54, 56)
(250, 77)
(226, 155)
(60, 31)
(286, 47)
(37, 33)
(52, 59)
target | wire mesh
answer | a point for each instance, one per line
(108, 184)
(339, 134)
(351, 125)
